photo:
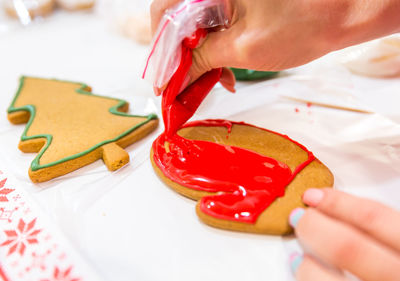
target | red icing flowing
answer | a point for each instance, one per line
(248, 181)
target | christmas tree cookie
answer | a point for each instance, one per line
(69, 127)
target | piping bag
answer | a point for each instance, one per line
(180, 31)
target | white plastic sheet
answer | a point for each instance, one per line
(129, 222)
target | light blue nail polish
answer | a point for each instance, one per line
(295, 261)
(295, 216)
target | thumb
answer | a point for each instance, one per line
(213, 53)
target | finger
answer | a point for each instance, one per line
(371, 217)
(213, 53)
(221, 48)
(159, 7)
(344, 246)
(308, 269)
(228, 80)
(157, 10)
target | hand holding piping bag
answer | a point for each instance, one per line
(277, 35)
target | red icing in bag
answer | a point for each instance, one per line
(250, 182)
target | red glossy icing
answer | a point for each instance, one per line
(249, 181)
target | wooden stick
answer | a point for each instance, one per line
(329, 105)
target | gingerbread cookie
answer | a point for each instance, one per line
(245, 178)
(70, 127)
(74, 5)
(31, 8)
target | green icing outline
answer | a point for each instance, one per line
(35, 165)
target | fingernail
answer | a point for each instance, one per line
(313, 196)
(228, 80)
(157, 91)
(295, 260)
(295, 216)
(185, 83)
